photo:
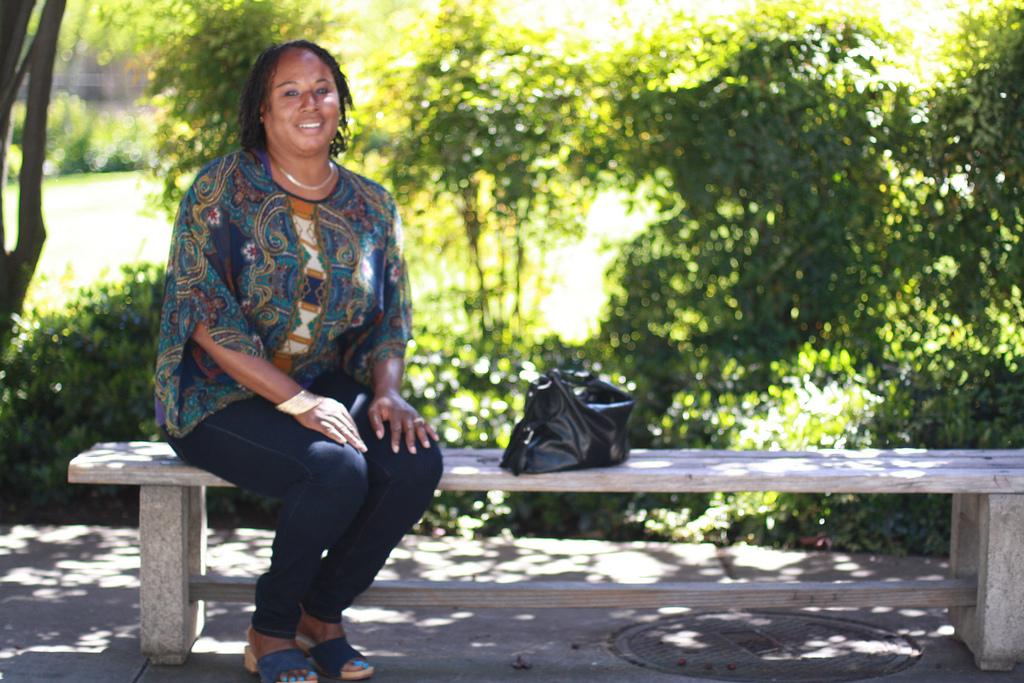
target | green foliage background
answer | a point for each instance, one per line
(835, 258)
(81, 138)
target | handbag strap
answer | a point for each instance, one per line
(585, 379)
(574, 377)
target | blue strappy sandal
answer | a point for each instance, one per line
(331, 655)
(271, 667)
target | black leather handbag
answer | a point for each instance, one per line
(571, 421)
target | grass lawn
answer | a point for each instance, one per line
(94, 223)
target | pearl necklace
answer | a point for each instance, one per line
(292, 179)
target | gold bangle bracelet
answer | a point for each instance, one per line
(300, 403)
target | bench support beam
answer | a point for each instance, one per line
(986, 544)
(172, 544)
(573, 594)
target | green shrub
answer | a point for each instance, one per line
(474, 393)
(84, 374)
(73, 377)
(84, 138)
(817, 399)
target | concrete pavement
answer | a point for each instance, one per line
(69, 610)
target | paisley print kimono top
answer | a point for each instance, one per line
(310, 286)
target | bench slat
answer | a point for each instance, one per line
(697, 595)
(838, 471)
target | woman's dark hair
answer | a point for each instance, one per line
(254, 95)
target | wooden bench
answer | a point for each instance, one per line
(984, 593)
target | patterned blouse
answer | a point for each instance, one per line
(310, 286)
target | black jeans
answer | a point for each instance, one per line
(356, 506)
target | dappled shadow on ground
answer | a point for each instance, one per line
(69, 598)
(566, 644)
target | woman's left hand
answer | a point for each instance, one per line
(405, 421)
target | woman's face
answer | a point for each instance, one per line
(302, 110)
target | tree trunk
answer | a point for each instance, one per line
(17, 267)
(520, 266)
(519, 214)
(471, 222)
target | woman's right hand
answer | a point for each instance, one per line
(332, 419)
(262, 377)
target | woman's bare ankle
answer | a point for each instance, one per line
(263, 644)
(319, 631)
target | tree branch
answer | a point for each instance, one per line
(31, 230)
(14, 18)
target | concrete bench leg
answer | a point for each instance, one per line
(172, 542)
(987, 529)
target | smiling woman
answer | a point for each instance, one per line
(302, 116)
(281, 354)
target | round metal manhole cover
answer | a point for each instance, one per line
(766, 646)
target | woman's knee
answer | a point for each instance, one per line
(420, 471)
(336, 467)
(433, 465)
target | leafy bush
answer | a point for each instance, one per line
(836, 263)
(498, 147)
(84, 374)
(819, 399)
(474, 393)
(83, 138)
(74, 377)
